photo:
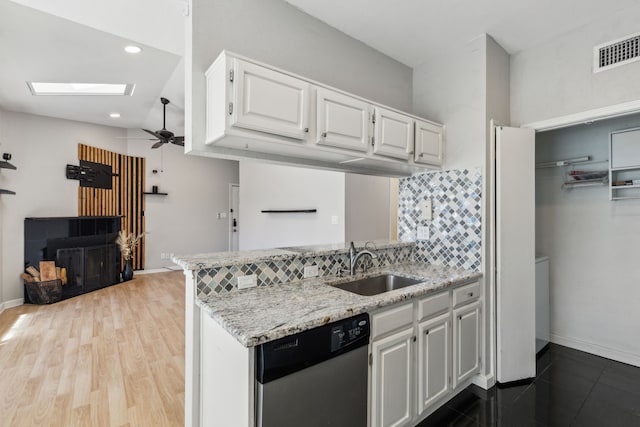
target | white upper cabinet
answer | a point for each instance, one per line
(269, 101)
(393, 134)
(429, 144)
(342, 121)
(258, 111)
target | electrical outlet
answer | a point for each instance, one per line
(423, 233)
(311, 271)
(248, 281)
(334, 219)
(427, 210)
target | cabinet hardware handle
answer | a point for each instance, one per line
(414, 339)
(421, 155)
(324, 134)
(410, 152)
(426, 332)
(306, 130)
(470, 294)
(459, 317)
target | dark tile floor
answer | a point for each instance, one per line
(572, 388)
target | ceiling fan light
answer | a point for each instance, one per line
(114, 115)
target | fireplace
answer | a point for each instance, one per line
(83, 245)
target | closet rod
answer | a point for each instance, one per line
(565, 162)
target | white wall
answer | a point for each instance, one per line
(184, 222)
(278, 34)
(556, 78)
(2, 202)
(368, 208)
(593, 247)
(42, 146)
(266, 186)
(157, 23)
(451, 89)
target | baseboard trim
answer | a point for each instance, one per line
(484, 381)
(158, 270)
(598, 350)
(11, 303)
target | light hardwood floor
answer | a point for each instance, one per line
(113, 357)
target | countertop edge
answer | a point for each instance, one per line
(223, 259)
(367, 304)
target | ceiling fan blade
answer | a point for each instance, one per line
(158, 136)
(178, 140)
(136, 138)
(158, 144)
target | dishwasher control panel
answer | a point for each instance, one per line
(278, 358)
(345, 333)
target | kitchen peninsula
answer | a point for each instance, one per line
(224, 324)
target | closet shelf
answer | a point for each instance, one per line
(585, 183)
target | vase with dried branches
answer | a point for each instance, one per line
(127, 244)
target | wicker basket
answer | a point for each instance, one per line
(44, 292)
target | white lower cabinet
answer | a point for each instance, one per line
(434, 360)
(466, 340)
(422, 352)
(392, 379)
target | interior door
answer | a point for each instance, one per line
(234, 214)
(515, 254)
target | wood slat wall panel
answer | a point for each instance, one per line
(126, 198)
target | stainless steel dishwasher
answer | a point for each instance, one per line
(315, 378)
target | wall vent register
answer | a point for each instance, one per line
(617, 52)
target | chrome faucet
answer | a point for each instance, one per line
(354, 256)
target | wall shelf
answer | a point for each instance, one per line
(624, 170)
(6, 165)
(6, 191)
(155, 194)
(289, 211)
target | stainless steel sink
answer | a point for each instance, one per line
(377, 284)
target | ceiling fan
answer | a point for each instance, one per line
(164, 136)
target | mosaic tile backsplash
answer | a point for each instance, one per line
(455, 233)
(224, 279)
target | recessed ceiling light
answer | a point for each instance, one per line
(132, 49)
(114, 115)
(44, 88)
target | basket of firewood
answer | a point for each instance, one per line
(44, 286)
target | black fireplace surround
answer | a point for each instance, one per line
(85, 246)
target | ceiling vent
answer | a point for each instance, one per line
(617, 52)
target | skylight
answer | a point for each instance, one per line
(99, 89)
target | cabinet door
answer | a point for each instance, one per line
(434, 360)
(393, 134)
(269, 101)
(466, 342)
(343, 121)
(429, 144)
(391, 380)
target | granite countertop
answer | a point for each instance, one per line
(220, 259)
(257, 315)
